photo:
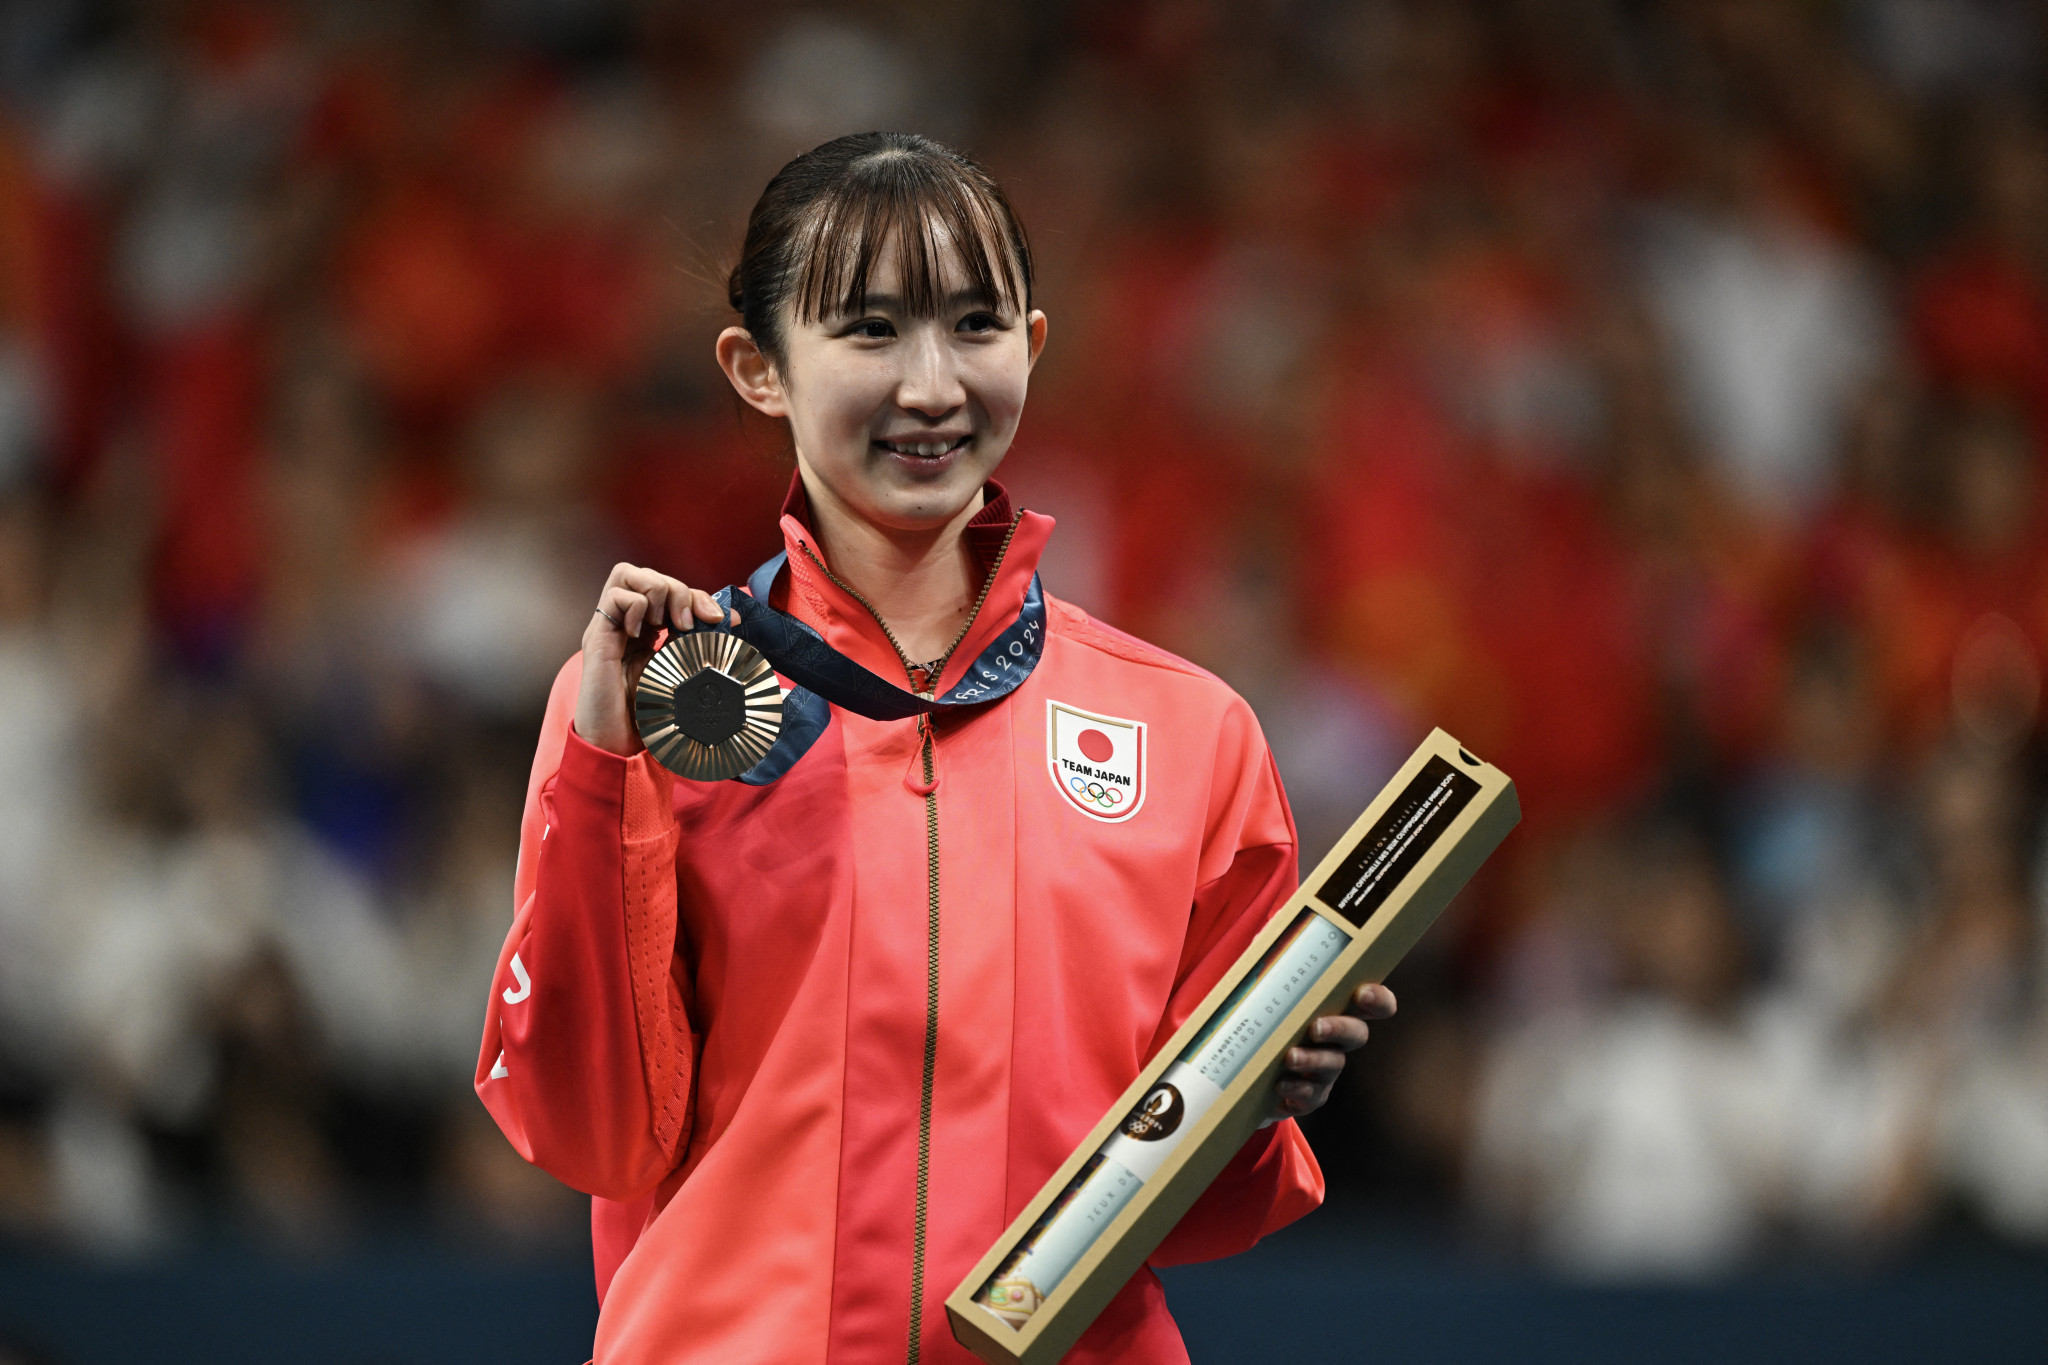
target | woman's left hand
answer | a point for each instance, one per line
(1312, 1066)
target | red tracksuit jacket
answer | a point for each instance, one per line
(711, 1012)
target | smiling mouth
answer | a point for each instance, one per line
(924, 450)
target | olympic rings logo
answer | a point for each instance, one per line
(1095, 794)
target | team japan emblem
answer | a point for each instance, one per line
(1097, 762)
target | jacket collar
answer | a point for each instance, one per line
(1004, 541)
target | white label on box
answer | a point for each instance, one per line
(1266, 998)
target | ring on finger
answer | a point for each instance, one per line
(611, 618)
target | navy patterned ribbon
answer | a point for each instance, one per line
(824, 677)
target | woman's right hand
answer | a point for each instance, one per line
(635, 604)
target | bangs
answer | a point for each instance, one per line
(924, 210)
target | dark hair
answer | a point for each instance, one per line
(816, 231)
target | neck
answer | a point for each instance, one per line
(922, 583)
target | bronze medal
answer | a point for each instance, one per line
(708, 706)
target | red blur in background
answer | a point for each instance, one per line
(1651, 395)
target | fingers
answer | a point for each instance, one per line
(1320, 1064)
(1372, 1001)
(1298, 1096)
(635, 598)
(1314, 1065)
(707, 609)
(629, 610)
(1342, 1032)
(1304, 1086)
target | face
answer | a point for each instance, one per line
(898, 420)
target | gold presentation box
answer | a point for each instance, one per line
(1211, 1087)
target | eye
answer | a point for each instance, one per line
(980, 322)
(874, 329)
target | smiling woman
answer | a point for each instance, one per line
(885, 292)
(813, 1037)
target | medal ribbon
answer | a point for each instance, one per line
(822, 674)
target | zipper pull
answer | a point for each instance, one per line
(913, 776)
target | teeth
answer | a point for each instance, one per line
(924, 449)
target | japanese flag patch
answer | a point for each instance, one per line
(1096, 761)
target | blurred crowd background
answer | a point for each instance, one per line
(1651, 394)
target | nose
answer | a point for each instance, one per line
(931, 385)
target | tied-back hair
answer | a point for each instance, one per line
(817, 230)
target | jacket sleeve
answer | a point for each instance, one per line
(588, 1054)
(1251, 870)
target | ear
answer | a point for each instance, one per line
(753, 374)
(1034, 326)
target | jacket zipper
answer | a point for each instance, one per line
(925, 687)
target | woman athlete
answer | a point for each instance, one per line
(812, 1038)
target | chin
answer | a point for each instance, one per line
(921, 509)
(919, 503)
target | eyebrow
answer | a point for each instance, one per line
(894, 302)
